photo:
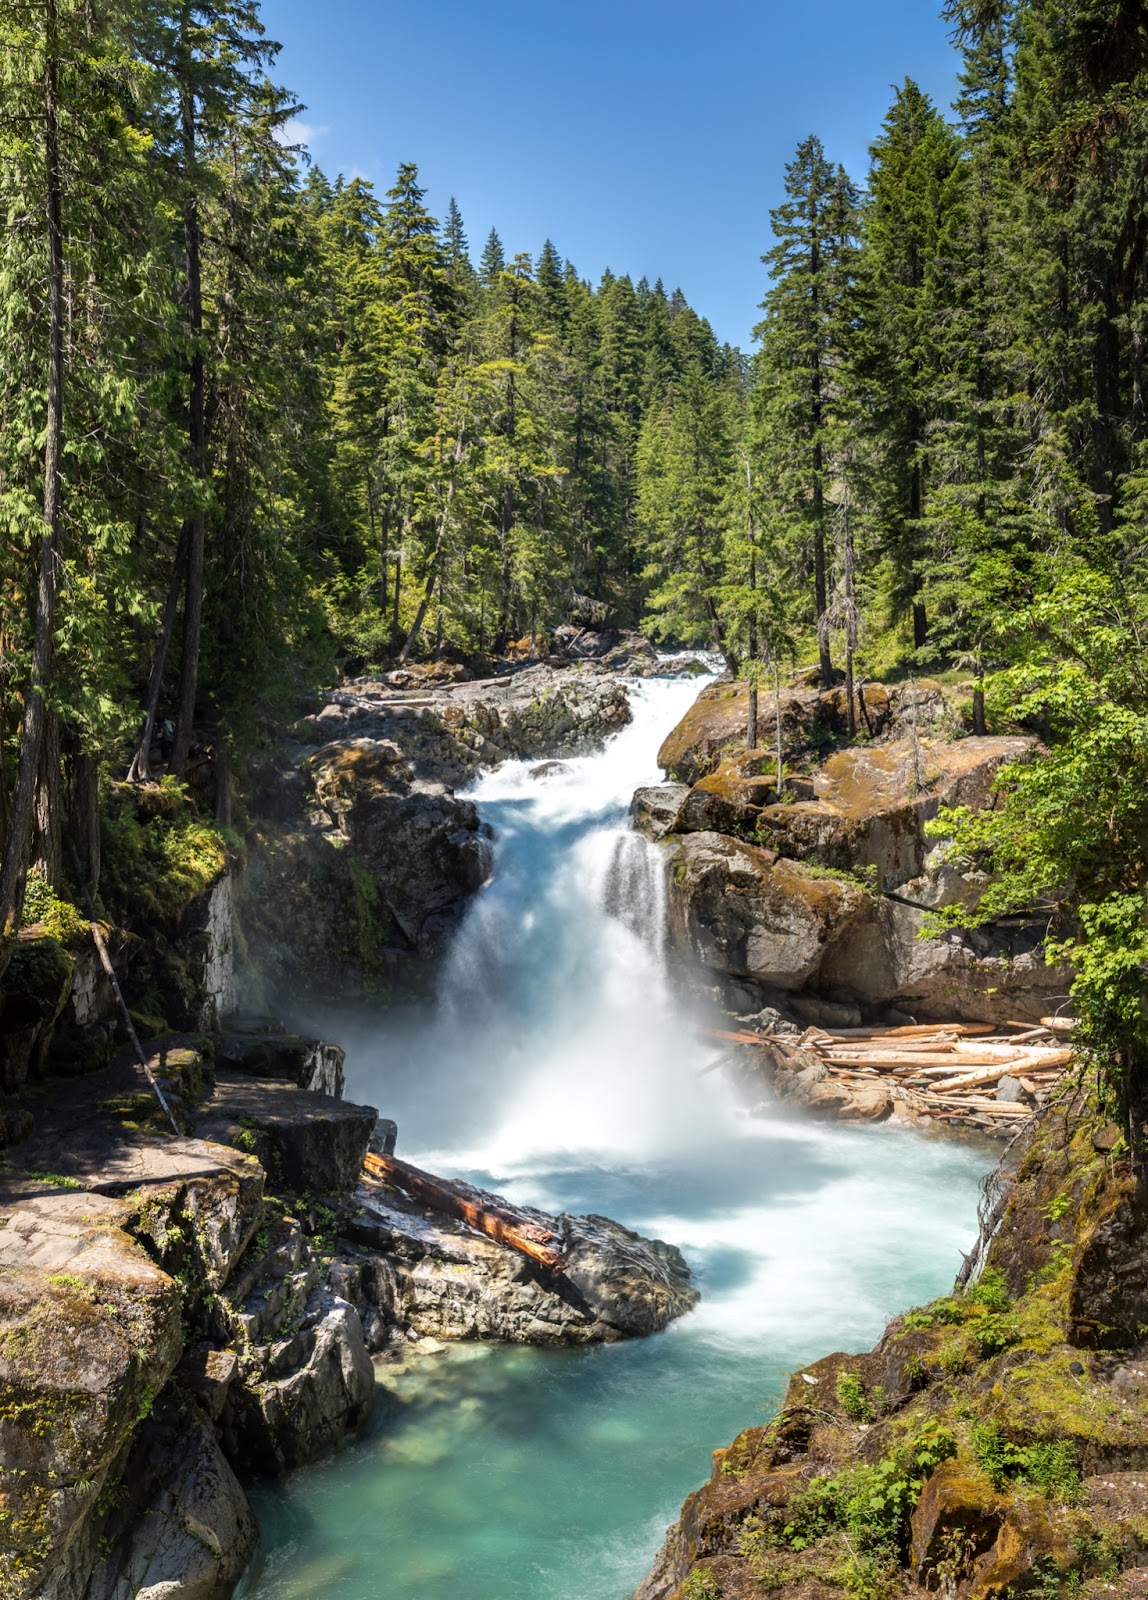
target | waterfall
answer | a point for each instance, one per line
(556, 1028)
(634, 889)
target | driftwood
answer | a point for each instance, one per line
(945, 1070)
(499, 1222)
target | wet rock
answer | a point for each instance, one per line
(313, 1142)
(628, 1282)
(654, 810)
(549, 769)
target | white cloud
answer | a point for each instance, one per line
(295, 131)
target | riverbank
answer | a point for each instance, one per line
(991, 1445)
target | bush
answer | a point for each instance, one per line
(158, 854)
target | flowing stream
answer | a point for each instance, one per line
(560, 1067)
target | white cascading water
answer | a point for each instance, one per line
(556, 1031)
(560, 1066)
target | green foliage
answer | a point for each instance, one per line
(1052, 1468)
(852, 1397)
(58, 918)
(159, 856)
(700, 1585)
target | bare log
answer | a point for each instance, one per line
(498, 1222)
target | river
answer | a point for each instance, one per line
(560, 1067)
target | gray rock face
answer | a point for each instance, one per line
(428, 1273)
(301, 1393)
(191, 1532)
(742, 912)
(654, 811)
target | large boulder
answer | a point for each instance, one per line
(655, 809)
(426, 1272)
(745, 913)
(312, 1143)
(188, 1531)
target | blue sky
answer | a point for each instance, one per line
(647, 138)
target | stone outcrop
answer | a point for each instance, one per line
(998, 1433)
(826, 889)
(177, 1308)
(716, 725)
(745, 912)
(429, 1274)
(365, 859)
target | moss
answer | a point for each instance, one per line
(56, 918)
(159, 856)
(37, 977)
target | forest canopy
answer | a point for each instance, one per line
(255, 420)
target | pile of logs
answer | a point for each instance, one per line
(973, 1072)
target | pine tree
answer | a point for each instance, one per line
(804, 349)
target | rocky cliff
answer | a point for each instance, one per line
(363, 857)
(824, 889)
(179, 1309)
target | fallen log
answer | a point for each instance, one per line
(498, 1222)
(1021, 1064)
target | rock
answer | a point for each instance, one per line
(549, 769)
(715, 726)
(654, 810)
(1027, 1536)
(366, 880)
(310, 1063)
(630, 1283)
(959, 1510)
(825, 1013)
(867, 813)
(313, 1143)
(730, 799)
(1012, 1091)
(303, 1394)
(742, 912)
(427, 1272)
(190, 1533)
(89, 1331)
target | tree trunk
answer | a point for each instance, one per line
(777, 728)
(751, 720)
(47, 846)
(979, 710)
(140, 769)
(18, 842)
(197, 442)
(436, 556)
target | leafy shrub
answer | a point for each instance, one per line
(852, 1398)
(1050, 1467)
(59, 919)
